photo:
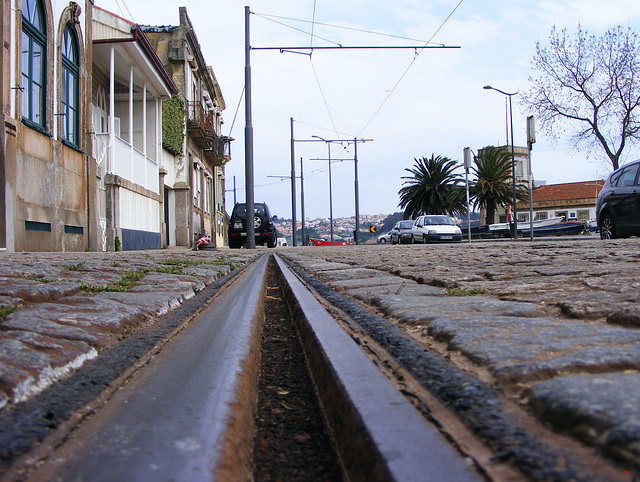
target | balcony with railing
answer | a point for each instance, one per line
(219, 152)
(200, 124)
(201, 128)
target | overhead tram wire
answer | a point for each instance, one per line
(337, 46)
(344, 134)
(269, 17)
(237, 109)
(292, 28)
(313, 23)
(375, 114)
(418, 50)
(324, 99)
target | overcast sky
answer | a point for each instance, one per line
(410, 106)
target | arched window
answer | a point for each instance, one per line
(70, 92)
(34, 68)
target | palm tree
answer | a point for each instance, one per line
(493, 186)
(433, 188)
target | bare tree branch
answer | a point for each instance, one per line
(588, 87)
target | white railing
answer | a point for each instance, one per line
(131, 164)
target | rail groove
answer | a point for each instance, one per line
(188, 413)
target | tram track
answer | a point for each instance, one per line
(191, 410)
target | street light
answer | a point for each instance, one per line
(514, 227)
(330, 193)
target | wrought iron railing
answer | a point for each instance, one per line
(198, 117)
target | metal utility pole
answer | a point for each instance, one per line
(531, 139)
(293, 188)
(248, 140)
(357, 196)
(466, 155)
(514, 227)
(330, 194)
(248, 136)
(355, 188)
(304, 242)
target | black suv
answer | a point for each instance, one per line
(265, 230)
(618, 208)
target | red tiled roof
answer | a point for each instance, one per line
(567, 191)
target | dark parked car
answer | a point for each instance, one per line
(265, 230)
(618, 210)
(401, 232)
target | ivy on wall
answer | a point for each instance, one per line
(173, 115)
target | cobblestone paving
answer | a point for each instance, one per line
(60, 310)
(557, 322)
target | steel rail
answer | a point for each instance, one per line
(379, 434)
(189, 413)
(174, 419)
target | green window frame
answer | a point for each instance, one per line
(70, 87)
(34, 66)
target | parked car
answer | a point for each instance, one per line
(265, 230)
(435, 229)
(401, 232)
(384, 238)
(618, 208)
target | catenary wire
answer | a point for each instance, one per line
(382, 34)
(418, 52)
(375, 114)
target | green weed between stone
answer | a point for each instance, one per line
(176, 266)
(75, 267)
(465, 292)
(7, 310)
(128, 281)
(170, 270)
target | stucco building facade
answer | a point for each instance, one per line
(82, 160)
(45, 170)
(194, 180)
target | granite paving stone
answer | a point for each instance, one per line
(31, 290)
(72, 307)
(172, 279)
(381, 280)
(406, 290)
(209, 274)
(519, 349)
(38, 361)
(90, 319)
(150, 300)
(328, 275)
(421, 310)
(601, 409)
(560, 316)
(10, 301)
(629, 316)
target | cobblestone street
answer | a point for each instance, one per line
(554, 325)
(59, 310)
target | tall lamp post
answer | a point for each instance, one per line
(330, 193)
(514, 226)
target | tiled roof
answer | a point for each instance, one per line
(568, 191)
